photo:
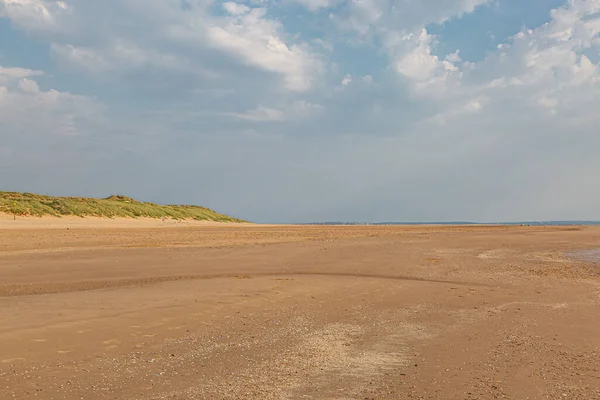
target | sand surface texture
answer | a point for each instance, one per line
(253, 312)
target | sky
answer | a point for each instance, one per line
(308, 110)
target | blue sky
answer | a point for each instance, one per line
(307, 110)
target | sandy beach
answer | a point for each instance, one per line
(126, 309)
(49, 222)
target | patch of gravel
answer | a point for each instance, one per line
(334, 359)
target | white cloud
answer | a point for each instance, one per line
(82, 57)
(27, 85)
(27, 113)
(84, 37)
(34, 14)
(324, 44)
(426, 71)
(235, 8)
(454, 57)
(295, 110)
(382, 16)
(401, 26)
(14, 73)
(456, 112)
(257, 41)
(548, 103)
(554, 51)
(122, 56)
(361, 81)
(261, 114)
(550, 59)
(247, 35)
(361, 15)
(303, 109)
(317, 5)
(419, 64)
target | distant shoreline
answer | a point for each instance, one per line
(29, 221)
(524, 223)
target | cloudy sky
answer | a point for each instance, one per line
(308, 110)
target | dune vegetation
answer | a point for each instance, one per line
(115, 206)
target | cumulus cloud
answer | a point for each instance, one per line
(381, 16)
(346, 80)
(27, 85)
(26, 110)
(105, 39)
(257, 41)
(11, 73)
(547, 61)
(400, 25)
(45, 133)
(235, 8)
(36, 15)
(425, 70)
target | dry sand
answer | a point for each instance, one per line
(101, 311)
(48, 222)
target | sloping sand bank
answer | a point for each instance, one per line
(48, 222)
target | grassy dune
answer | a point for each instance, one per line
(110, 207)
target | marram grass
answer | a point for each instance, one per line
(115, 206)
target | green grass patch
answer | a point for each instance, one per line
(115, 206)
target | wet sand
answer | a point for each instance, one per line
(589, 255)
(298, 312)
